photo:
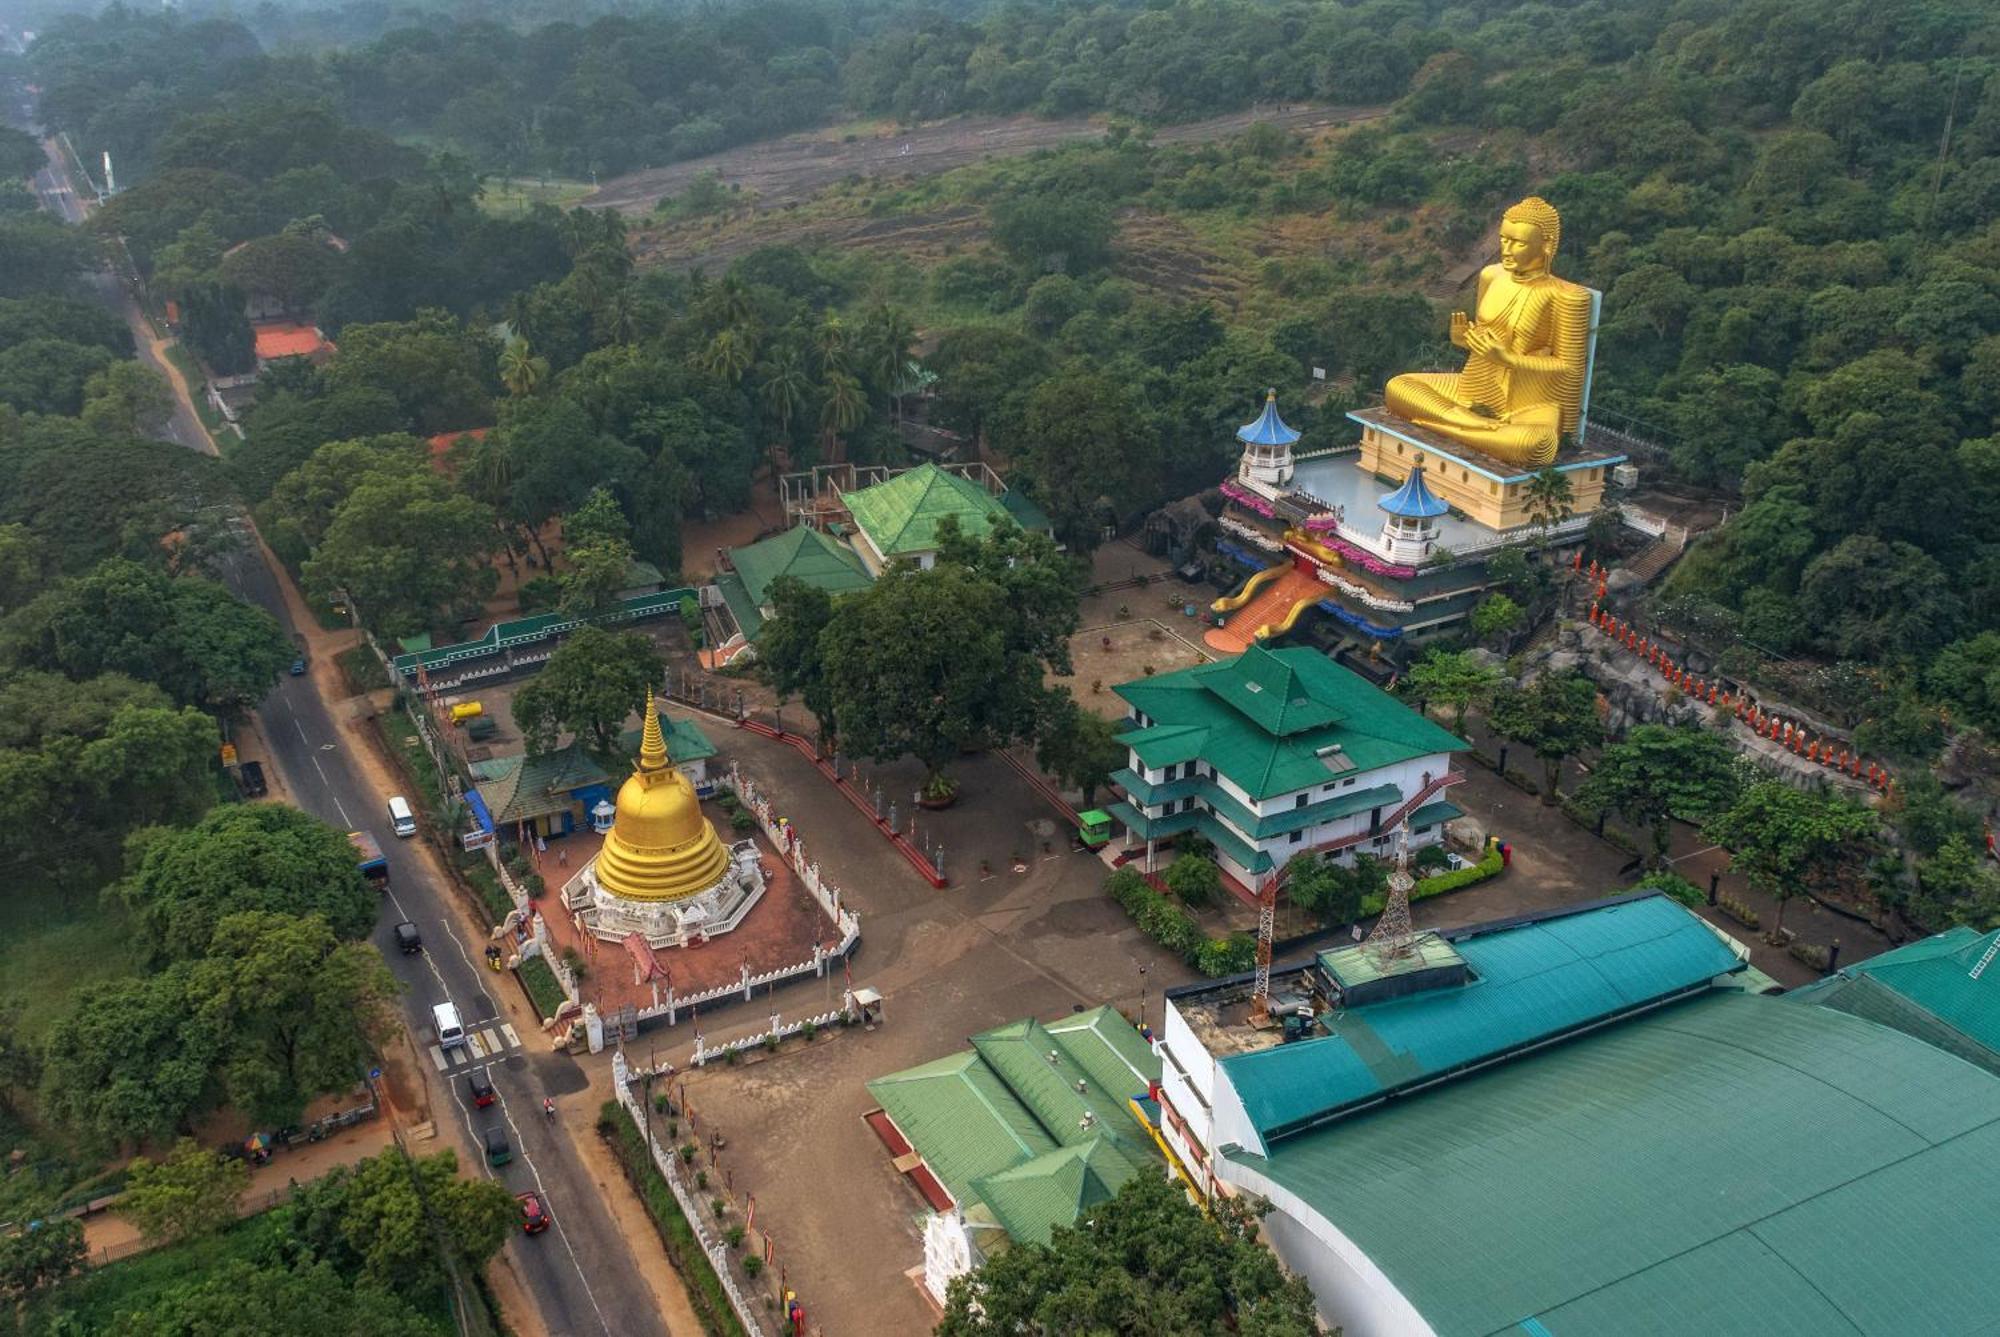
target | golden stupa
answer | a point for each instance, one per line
(660, 847)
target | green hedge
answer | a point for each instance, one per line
(1439, 884)
(1176, 930)
(628, 1144)
(543, 989)
(486, 883)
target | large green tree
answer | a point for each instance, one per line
(191, 1191)
(1148, 1252)
(189, 635)
(242, 857)
(1079, 747)
(1657, 773)
(1086, 444)
(309, 1010)
(789, 647)
(408, 550)
(1789, 842)
(382, 1219)
(1556, 716)
(1453, 678)
(593, 681)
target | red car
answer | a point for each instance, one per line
(534, 1216)
(481, 1087)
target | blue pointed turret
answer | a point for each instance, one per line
(1413, 501)
(1269, 429)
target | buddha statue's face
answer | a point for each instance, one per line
(1523, 250)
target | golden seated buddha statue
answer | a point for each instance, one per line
(1527, 349)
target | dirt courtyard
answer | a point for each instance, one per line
(1118, 652)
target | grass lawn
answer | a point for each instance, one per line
(52, 949)
(512, 197)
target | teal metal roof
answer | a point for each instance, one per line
(1340, 803)
(684, 738)
(538, 786)
(748, 615)
(1729, 1165)
(1026, 513)
(1943, 989)
(1531, 982)
(1276, 721)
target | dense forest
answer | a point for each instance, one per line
(1790, 210)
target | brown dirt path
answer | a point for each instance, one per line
(783, 171)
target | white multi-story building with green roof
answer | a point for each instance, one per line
(1277, 752)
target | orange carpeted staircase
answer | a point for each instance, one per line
(1270, 606)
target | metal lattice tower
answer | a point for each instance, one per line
(1394, 935)
(1267, 929)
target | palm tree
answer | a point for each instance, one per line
(1550, 498)
(830, 343)
(618, 319)
(521, 315)
(729, 354)
(520, 370)
(785, 387)
(888, 339)
(725, 305)
(842, 411)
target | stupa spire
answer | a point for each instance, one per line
(652, 743)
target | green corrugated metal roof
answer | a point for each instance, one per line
(1866, 997)
(1531, 982)
(537, 786)
(989, 1121)
(685, 740)
(1032, 1199)
(1934, 976)
(1730, 1165)
(962, 1117)
(902, 514)
(749, 617)
(1439, 810)
(1109, 1048)
(1271, 725)
(1026, 513)
(1021, 1053)
(802, 553)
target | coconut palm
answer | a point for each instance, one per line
(842, 410)
(830, 344)
(520, 370)
(786, 386)
(1549, 499)
(729, 354)
(887, 340)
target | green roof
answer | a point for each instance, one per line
(1026, 513)
(685, 740)
(1276, 721)
(749, 617)
(538, 786)
(802, 553)
(1730, 1165)
(961, 1116)
(1003, 1125)
(1031, 1199)
(1935, 989)
(901, 515)
(1531, 981)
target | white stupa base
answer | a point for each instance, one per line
(708, 914)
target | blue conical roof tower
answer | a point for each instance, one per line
(1269, 429)
(1413, 500)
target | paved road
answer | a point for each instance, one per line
(581, 1273)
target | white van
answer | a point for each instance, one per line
(401, 819)
(444, 1020)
